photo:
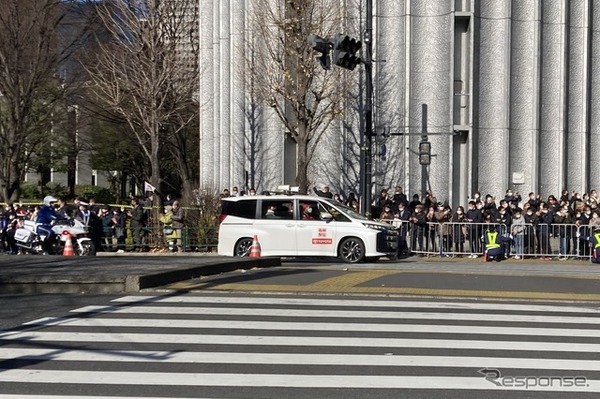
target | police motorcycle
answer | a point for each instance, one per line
(29, 241)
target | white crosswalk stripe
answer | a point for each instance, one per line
(224, 346)
(340, 314)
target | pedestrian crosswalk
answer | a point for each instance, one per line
(223, 346)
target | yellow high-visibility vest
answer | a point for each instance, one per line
(491, 240)
(597, 237)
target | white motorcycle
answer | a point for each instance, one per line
(29, 241)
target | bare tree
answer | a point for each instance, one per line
(37, 38)
(252, 143)
(183, 150)
(147, 74)
(306, 98)
(255, 147)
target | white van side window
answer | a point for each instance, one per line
(337, 215)
(242, 209)
(310, 210)
(277, 209)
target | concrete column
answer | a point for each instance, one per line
(391, 91)
(553, 101)
(594, 159)
(491, 111)
(579, 37)
(225, 99)
(238, 97)
(272, 151)
(206, 97)
(218, 112)
(431, 84)
(524, 97)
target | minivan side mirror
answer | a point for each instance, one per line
(326, 216)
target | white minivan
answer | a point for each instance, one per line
(302, 225)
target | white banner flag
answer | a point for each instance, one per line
(149, 187)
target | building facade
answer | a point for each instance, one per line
(505, 91)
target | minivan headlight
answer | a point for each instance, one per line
(376, 226)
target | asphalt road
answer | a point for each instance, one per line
(16, 309)
(577, 281)
(234, 346)
(308, 329)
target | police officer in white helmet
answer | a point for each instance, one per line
(45, 216)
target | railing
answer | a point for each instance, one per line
(520, 241)
(153, 239)
(560, 241)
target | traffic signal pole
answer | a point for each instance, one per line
(366, 155)
(344, 49)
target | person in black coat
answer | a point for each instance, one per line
(323, 193)
(401, 221)
(138, 217)
(545, 220)
(475, 217)
(418, 221)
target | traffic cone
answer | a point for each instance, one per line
(255, 248)
(68, 249)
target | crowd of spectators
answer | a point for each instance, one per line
(107, 226)
(432, 226)
(530, 221)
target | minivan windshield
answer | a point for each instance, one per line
(348, 211)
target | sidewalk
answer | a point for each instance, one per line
(111, 273)
(529, 266)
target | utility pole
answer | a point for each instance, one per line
(366, 156)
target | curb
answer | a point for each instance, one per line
(112, 275)
(135, 283)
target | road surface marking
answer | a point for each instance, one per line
(362, 314)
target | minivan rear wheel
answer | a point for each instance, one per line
(352, 250)
(242, 247)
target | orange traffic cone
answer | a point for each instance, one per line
(255, 248)
(68, 249)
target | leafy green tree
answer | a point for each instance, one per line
(36, 40)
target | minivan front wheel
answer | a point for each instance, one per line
(352, 250)
(242, 247)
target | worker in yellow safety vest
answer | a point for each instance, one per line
(594, 239)
(494, 248)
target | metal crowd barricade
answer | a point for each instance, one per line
(465, 239)
(193, 240)
(566, 242)
(554, 241)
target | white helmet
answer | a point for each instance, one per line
(48, 200)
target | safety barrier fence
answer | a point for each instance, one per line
(154, 239)
(520, 241)
(559, 241)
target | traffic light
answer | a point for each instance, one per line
(344, 51)
(323, 46)
(424, 152)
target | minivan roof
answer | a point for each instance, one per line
(275, 196)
